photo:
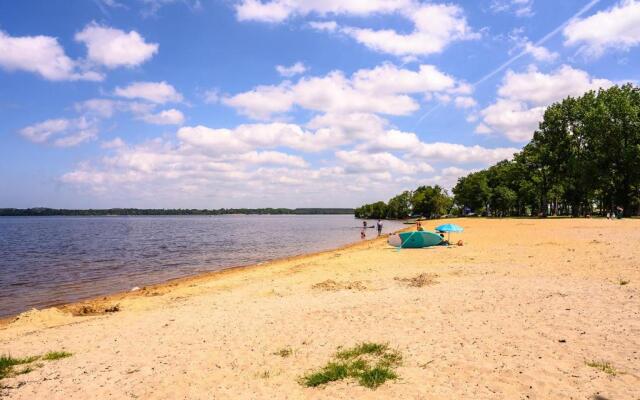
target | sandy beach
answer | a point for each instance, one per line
(518, 312)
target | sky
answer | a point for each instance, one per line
(285, 103)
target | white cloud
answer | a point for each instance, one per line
(106, 108)
(295, 69)
(103, 108)
(617, 28)
(513, 119)
(385, 89)
(61, 132)
(540, 53)
(272, 157)
(542, 89)
(115, 48)
(461, 154)
(247, 137)
(356, 161)
(155, 92)
(413, 147)
(256, 10)
(524, 97)
(521, 8)
(42, 55)
(354, 125)
(388, 78)
(326, 26)
(465, 102)
(435, 27)
(279, 10)
(262, 102)
(165, 117)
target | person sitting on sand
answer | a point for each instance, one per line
(419, 226)
(444, 242)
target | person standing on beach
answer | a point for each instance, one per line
(379, 226)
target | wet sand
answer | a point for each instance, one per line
(515, 313)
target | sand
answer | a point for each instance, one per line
(516, 313)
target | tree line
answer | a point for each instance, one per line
(583, 159)
(16, 212)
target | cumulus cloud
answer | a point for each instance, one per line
(42, 55)
(61, 132)
(248, 137)
(385, 89)
(540, 53)
(524, 96)
(617, 28)
(435, 27)
(155, 92)
(165, 117)
(357, 161)
(295, 69)
(115, 48)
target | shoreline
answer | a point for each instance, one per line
(111, 297)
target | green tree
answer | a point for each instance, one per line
(431, 201)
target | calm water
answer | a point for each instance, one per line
(53, 260)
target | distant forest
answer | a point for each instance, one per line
(16, 212)
(584, 159)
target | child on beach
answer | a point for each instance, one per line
(379, 226)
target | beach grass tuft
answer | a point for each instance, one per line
(374, 377)
(284, 352)
(603, 366)
(56, 355)
(7, 363)
(362, 348)
(370, 364)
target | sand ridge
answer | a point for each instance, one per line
(517, 312)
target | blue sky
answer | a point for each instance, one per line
(249, 103)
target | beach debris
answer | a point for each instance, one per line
(420, 280)
(332, 286)
(370, 364)
(284, 352)
(87, 309)
(135, 289)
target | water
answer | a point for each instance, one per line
(53, 260)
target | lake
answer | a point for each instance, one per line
(46, 261)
